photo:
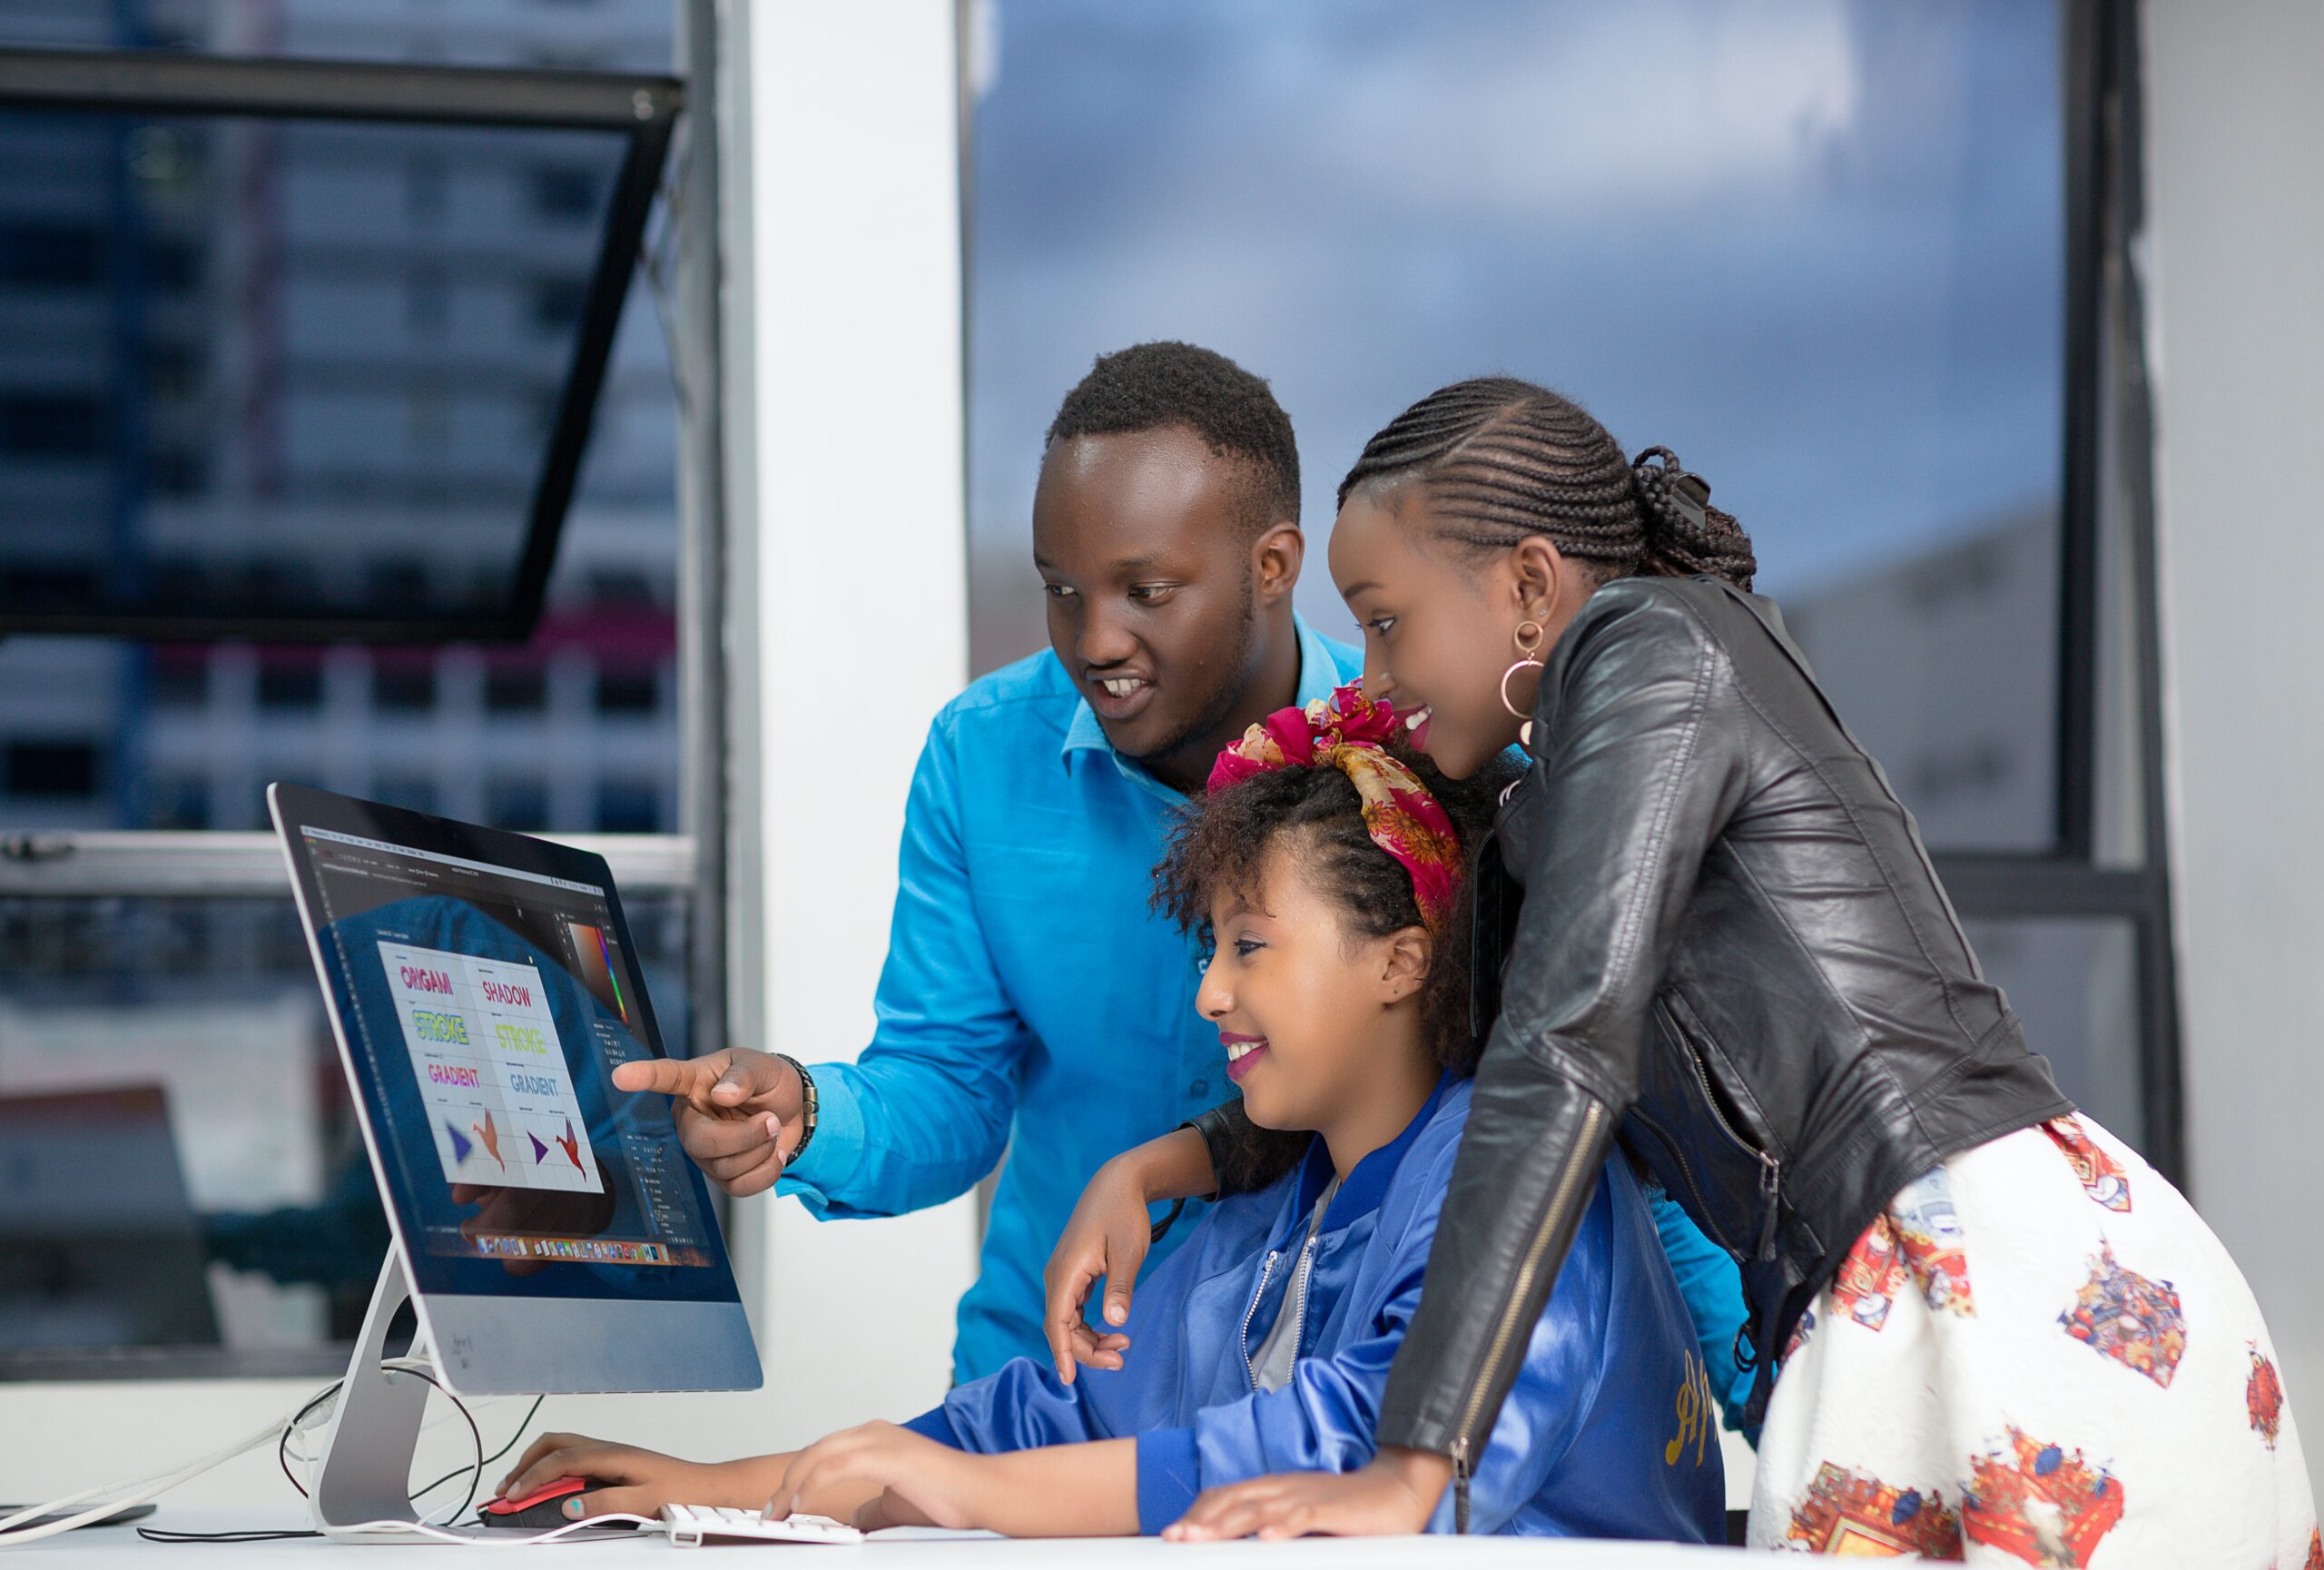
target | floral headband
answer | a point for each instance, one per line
(1345, 732)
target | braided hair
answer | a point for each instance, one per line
(1504, 459)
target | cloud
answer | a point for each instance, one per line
(1587, 111)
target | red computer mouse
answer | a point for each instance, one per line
(544, 1507)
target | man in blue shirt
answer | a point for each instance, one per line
(1031, 1002)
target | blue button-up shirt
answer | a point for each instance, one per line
(1027, 983)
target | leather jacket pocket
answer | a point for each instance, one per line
(1743, 1155)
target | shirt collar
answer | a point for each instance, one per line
(1319, 676)
(1368, 1184)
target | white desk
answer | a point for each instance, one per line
(121, 1545)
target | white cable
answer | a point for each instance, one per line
(489, 1538)
(125, 1493)
(12, 1531)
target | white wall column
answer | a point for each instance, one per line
(2236, 221)
(850, 619)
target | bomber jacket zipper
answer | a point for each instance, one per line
(1300, 1273)
(1267, 1272)
(1770, 1169)
(1562, 1199)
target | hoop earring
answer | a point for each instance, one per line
(1529, 656)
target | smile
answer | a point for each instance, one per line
(1417, 724)
(1119, 698)
(1241, 1051)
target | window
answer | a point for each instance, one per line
(291, 683)
(515, 689)
(1868, 295)
(35, 255)
(565, 195)
(628, 807)
(51, 425)
(557, 304)
(66, 770)
(626, 692)
(257, 394)
(403, 688)
(517, 804)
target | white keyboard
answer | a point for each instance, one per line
(692, 1526)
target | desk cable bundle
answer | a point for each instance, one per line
(289, 1433)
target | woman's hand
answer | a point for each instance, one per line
(1396, 1492)
(1108, 1235)
(639, 1482)
(879, 1475)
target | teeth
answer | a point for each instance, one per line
(1123, 686)
(1241, 1050)
(1416, 719)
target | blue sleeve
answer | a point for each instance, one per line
(1713, 1288)
(1020, 1405)
(934, 1425)
(1170, 1475)
(924, 1112)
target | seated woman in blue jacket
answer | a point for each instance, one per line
(1325, 876)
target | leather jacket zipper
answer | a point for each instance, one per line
(1561, 1198)
(1461, 1484)
(1267, 1272)
(1702, 1208)
(1770, 1169)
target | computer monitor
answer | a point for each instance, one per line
(553, 1235)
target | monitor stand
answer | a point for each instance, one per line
(366, 1474)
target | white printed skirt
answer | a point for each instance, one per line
(2039, 1355)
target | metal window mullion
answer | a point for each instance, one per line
(2085, 30)
(2161, 1084)
(701, 513)
(159, 82)
(211, 864)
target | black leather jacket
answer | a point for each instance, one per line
(1718, 939)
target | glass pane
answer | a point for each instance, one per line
(106, 733)
(265, 370)
(1814, 246)
(2075, 985)
(169, 1087)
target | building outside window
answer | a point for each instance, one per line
(304, 361)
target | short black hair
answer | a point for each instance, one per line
(1151, 386)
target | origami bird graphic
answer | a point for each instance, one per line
(489, 1137)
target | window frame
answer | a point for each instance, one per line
(691, 862)
(644, 108)
(2106, 493)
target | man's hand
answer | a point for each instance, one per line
(1396, 1492)
(879, 1475)
(740, 1113)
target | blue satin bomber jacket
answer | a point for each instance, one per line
(1611, 1431)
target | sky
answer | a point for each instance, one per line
(1815, 247)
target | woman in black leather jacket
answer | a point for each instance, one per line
(1721, 945)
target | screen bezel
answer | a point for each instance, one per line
(295, 807)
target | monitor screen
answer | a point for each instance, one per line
(485, 996)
